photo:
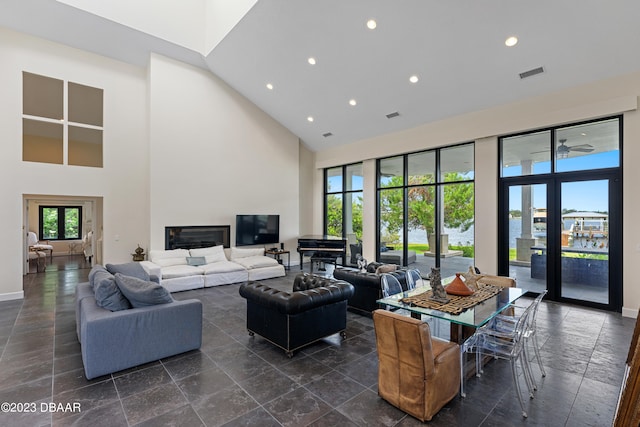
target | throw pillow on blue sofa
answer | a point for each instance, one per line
(142, 293)
(133, 269)
(107, 293)
(92, 274)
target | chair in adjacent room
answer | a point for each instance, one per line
(88, 245)
(35, 245)
(39, 257)
(417, 374)
(508, 346)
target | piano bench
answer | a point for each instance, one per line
(330, 260)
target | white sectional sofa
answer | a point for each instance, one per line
(185, 269)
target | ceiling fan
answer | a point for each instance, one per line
(563, 150)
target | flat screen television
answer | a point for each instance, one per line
(257, 229)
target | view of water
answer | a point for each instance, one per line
(458, 238)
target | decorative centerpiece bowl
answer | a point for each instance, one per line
(458, 287)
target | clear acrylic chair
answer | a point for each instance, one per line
(390, 285)
(414, 278)
(508, 346)
(506, 323)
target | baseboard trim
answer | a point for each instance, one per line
(11, 296)
(627, 312)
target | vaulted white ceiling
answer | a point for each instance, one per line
(455, 48)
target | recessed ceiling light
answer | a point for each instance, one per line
(312, 61)
(310, 119)
(352, 102)
(511, 41)
(269, 86)
(372, 24)
(414, 79)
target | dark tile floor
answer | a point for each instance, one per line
(235, 379)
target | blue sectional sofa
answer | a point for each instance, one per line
(115, 340)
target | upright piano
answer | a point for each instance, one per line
(322, 248)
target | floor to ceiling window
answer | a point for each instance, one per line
(426, 209)
(560, 212)
(343, 206)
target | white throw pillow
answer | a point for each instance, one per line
(237, 253)
(168, 262)
(169, 257)
(211, 254)
(256, 262)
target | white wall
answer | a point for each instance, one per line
(306, 191)
(124, 179)
(180, 148)
(604, 98)
(214, 155)
(486, 220)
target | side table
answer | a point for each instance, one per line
(73, 246)
(277, 253)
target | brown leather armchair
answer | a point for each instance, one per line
(416, 373)
(503, 281)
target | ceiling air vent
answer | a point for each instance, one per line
(327, 135)
(392, 115)
(532, 72)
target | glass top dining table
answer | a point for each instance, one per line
(474, 317)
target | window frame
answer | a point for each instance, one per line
(438, 184)
(61, 225)
(553, 180)
(342, 192)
